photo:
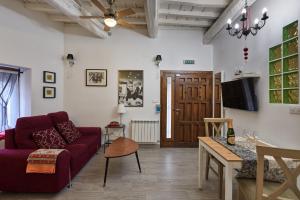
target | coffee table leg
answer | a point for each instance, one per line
(138, 161)
(106, 168)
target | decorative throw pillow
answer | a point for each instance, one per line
(68, 131)
(48, 139)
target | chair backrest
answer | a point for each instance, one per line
(217, 124)
(291, 174)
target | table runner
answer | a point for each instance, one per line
(247, 151)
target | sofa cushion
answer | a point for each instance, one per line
(79, 156)
(68, 131)
(58, 117)
(25, 126)
(48, 139)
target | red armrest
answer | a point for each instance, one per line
(10, 139)
(14, 178)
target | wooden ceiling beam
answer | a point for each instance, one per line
(71, 9)
(41, 7)
(151, 12)
(61, 18)
(196, 14)
(184, 22)
(200, 3)
(232, 12)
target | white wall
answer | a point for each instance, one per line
(31, 40)
(125, 49)
(272, 122)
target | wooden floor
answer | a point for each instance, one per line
(167, 173)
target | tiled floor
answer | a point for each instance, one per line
(167, 173)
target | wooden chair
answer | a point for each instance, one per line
(260, 190)
(217, 124)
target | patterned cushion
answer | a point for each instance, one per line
(48, 139)
(68, 131)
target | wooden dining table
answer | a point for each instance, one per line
(230, 161)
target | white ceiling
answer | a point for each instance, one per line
(182, 13)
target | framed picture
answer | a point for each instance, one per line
(49, 92)
(96, 77)
(49, 77)
(131, 88)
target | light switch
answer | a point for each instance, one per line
(295, 110)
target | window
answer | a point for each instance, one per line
(9, 98)
(284, 68)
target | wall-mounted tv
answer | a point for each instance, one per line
(240, 94)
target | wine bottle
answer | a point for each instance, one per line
(230, 134)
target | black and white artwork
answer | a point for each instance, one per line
(96, 77)
(131, 88)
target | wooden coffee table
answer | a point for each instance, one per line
(121, 147)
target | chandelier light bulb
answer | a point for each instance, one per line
(244, 11)
(236, 26)
(229, 21)
(256, 21)
(264, 10)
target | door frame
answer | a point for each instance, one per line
(163, 142)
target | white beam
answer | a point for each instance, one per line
(200, 3)
(232, 12)
(151, 11)
(41, 7)
(175, 22)
(182, 13)
(71, 9)
(61, 18)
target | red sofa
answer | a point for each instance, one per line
(19, 144)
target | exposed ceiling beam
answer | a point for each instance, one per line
(151, 11)
(61, 18)
(71, 9)
(232, 11)
(136, 21)
(184, 22)
(200, 3)
(42, 7)
(182, 13)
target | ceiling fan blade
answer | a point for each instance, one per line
(106, 28)
(125, 24)
(99, 5)
(91, 17)
(125, 12)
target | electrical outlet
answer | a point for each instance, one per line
(295, 110)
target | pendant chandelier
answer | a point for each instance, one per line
(246, 28)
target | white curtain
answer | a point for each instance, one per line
(9, 100)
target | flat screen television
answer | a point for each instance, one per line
(240, 94)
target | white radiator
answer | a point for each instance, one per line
(145, 131)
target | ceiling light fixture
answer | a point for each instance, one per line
(245, 28)
(110, 21)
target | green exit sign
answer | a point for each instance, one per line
(189, 62)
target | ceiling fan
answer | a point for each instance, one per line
(111, 16)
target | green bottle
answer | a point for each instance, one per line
(230, 134)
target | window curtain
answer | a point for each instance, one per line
(7, 85)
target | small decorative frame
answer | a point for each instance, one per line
(96, 77)
(49, 77)
(49, 92)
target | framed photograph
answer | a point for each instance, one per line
(49, 77)
(49, 92)
(96, 77)
(131, 88)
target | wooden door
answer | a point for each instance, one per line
(217, 98)
(191, 102)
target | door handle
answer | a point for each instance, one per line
(176, 109)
